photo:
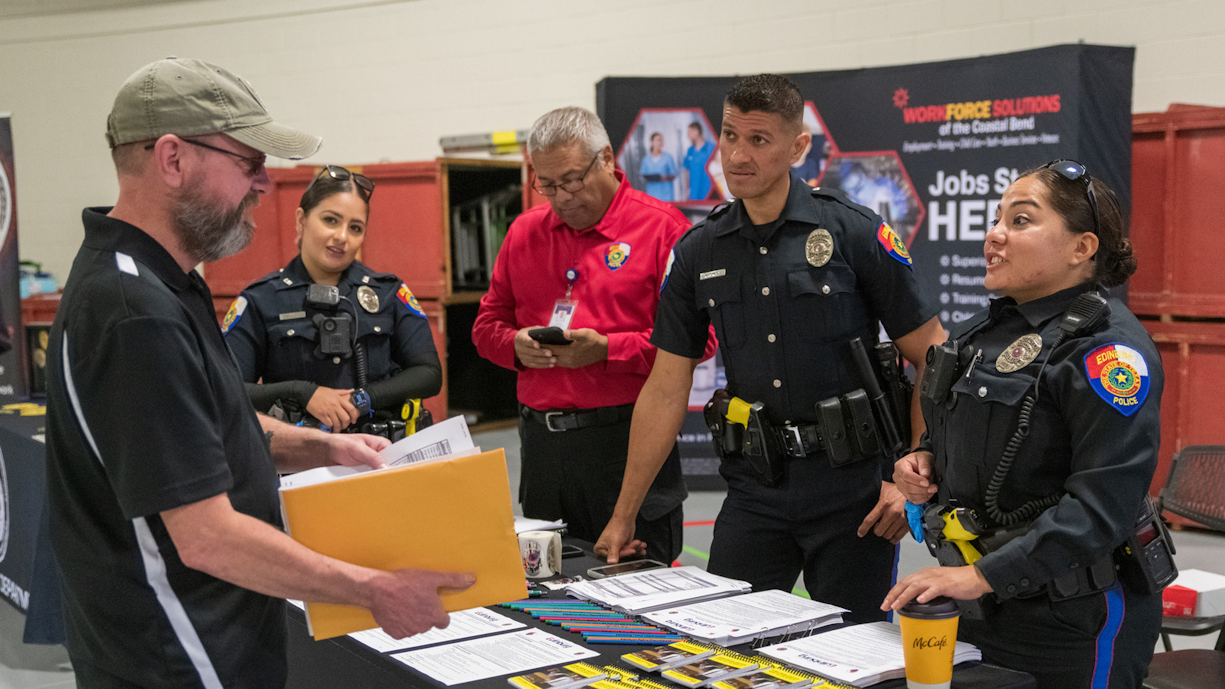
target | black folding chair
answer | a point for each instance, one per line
(1195, 489)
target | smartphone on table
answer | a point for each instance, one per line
(624, 568)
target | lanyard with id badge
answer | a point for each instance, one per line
(563, 312)
(563, 309)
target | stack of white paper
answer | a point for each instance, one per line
(490, 656)
(657, 589)
(860, 655)
(524, 524)
(740, 619)
(442, 441)
(464, 624)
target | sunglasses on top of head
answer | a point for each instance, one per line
(1072, 171)
(340, 174)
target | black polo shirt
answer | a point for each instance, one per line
(147, 412)
(782, 320)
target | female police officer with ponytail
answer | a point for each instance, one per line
(344, 357)
(1044, 430)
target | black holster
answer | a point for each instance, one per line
(727, 437)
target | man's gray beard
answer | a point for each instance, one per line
(207, 231)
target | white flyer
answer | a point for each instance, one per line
(752, 615)
(464, 624)
(491, 656)
(442, 441)
(657, 588)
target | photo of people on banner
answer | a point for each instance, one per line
(667, 154)
(878, 180)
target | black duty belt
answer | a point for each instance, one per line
(798, 441)
(574, 419)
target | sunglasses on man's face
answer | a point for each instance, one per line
(1072, 171)
(338, 173)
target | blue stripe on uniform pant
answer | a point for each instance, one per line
(1115, 609)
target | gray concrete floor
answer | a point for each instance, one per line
(31, 667)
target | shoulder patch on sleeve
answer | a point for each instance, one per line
(405, 295)
(1119, 375)
(231, 317)
(894, 246)
(667, 270)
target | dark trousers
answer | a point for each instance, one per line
(575, 475)
(808, 523)
(1100, 641)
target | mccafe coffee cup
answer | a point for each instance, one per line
(929, 632)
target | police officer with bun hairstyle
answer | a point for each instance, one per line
(326, 338)
(1043, 415)
(791, 277)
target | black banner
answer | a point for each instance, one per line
(931, 147)
(12, 374)
(22, 494)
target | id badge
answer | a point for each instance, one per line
(563, 311)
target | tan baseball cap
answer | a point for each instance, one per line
(190, 97)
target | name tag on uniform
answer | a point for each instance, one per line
(293, 315)
(713, 274)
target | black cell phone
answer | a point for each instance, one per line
(551, 335)
(571, 551)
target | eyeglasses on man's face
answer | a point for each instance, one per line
(572, 187)
(251, 165)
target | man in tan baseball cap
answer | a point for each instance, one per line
(161, 483)
(190, 98)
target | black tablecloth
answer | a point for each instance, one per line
(346, 662)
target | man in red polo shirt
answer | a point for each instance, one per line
(591, 262)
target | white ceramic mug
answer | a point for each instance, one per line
(541, 552)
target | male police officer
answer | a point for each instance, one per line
(162, 493)
(788, 275)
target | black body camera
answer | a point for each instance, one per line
(333, 330)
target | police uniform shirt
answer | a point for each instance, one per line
(783, 321)
(1093, 434)
(274, 337)
(146, 413)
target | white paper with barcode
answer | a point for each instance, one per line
(446, 439)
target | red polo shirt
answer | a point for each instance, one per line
(616, 296)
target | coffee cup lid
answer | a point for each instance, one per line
(938, 608)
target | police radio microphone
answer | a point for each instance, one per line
(1085, 314)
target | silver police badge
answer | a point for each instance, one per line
(368, 299)
(1019, 354)
(819, 247)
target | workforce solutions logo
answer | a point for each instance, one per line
(974, 110)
